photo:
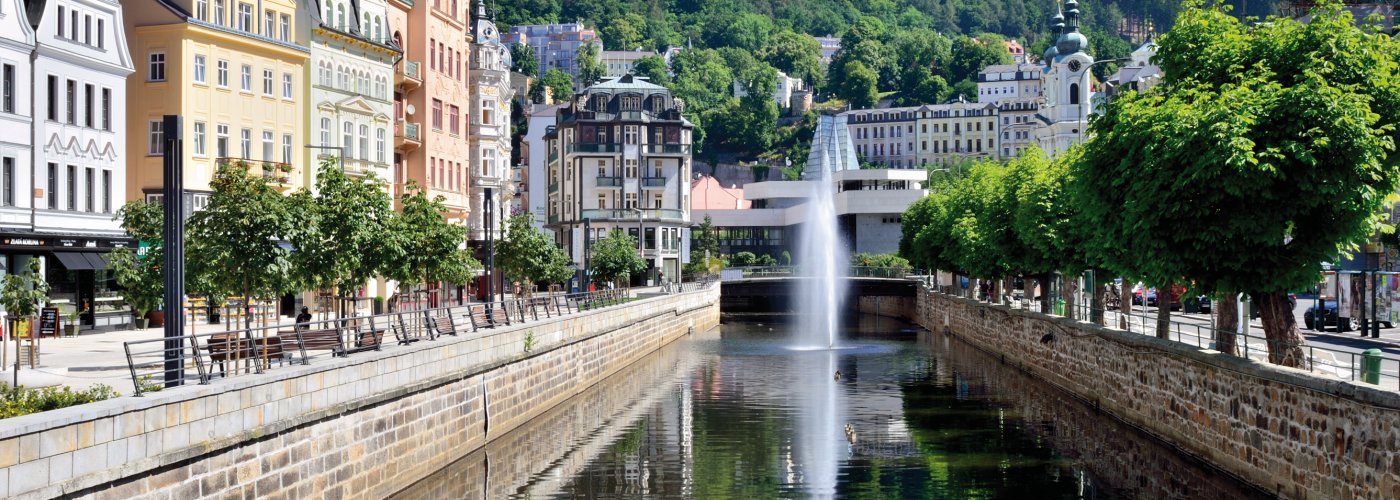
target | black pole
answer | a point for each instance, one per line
(174, 252)
(1375, 321)
(490, 250)
(587, 234)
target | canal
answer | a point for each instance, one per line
(735, 413)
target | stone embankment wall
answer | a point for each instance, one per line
(363, 426)
(1290, 432)
(894, 307)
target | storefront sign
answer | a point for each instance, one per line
(48, 322)
(32, 242)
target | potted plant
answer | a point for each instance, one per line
(378, 304)
(156, 317)
(70, 328)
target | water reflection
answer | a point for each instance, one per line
(734, 414)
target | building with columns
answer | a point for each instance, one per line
(492, 189)
(618, 157)
(1067, 85)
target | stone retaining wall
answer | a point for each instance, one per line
(1291, 432)
(363, 426)
(894, 307)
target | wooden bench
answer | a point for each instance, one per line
(226, 347)
(328, 340)
(440, 325)
(270, 349)
(402, 333)
(364, 339)
(479, 318)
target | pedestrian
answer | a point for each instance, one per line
(517, 289)
(303, 319)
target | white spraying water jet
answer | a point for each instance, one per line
(821, 257)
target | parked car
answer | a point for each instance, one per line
(1198, 304)
(1328, 314)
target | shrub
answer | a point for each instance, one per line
(23, 400)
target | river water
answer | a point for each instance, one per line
(734, 413)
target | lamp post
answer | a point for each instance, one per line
(340, 153)
(490, 248)
(641, 230)
(1080, 109)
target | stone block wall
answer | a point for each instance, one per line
(894, 307)
(363, 426)
(1290, 432)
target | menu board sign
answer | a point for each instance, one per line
(48, 322)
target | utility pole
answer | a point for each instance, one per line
(174, 251)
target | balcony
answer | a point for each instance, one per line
(280, 173)
(594, 148)
(653, 182)
(362, 167)
(407, 136)
(609, 182)
(552, 219)
(407, 75)
(554, 187)
(667, 149)
(623, 214)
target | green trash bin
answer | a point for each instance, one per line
(1371, 366)
(1060, 307)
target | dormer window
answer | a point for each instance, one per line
(600, 103)
(658, 104)
(631, 103)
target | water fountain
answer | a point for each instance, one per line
(821, 254)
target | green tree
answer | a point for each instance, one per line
(21, 293)
(970, 55)
(590, 65)
(615, 258)
(703, 79)
(627, 32)
(654, 69)
(141, 276)
(749, 31)
(1282, 132)
(523, 60)
(528, 255)
(559, 83)
(796, 54)
(345, 235)
(430, 246)
(237, 237)
(859, 85)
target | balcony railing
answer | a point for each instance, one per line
(668, 149)
(553, 186)
(653, 182)
(628, 214)
(552, 219)
(610, 182)
(408, 74)
(408, 135)
(595, 148)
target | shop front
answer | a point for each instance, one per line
(77, 270)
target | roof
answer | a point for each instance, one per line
(1132, 73)
(706, 193)
(626, 82)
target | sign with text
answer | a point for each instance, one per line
(48, 322)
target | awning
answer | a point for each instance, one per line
(82, 261)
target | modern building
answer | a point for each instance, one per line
(492, 186)
(63, 158)
(433, 143)
(619, 158)
(555, 44)
(1067, 81)
(235, 72)
(351, 102)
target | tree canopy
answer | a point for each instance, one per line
(615, 258)
(528, 255)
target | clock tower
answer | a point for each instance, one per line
(1067, 84)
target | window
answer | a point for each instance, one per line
(89, 107)
(223, 73)
(62, 14)
(87, 29)
(89, 189)
(107, 109)
(488, 111)
(73, 28)
(269, 29)
(285, 23)
(72, 102)
(106, 191)
(199, 131)
(286, 148)
(52, 193)
(325, 132)
(1074, 93)
(199, 69)
(347, 139)
(53, 99)
(245, 138)
(364, 142)
(379, 137)
(156, 135)
(221, 141)
(201, 10)
(219, 12)
(629, 134)
(246, 78)
(72, 187)
(8, 180)
(155, 72)
(267, 150)
(488, 163)
(453, 112)
(286, 85)
(245, 17)
(432, 53)
(437, 114)
(7, 102)
(267, 82)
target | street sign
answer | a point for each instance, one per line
(142, 249)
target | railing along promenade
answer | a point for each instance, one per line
(203, 358)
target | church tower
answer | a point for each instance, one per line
(1067, 84)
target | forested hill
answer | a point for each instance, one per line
(628, 24)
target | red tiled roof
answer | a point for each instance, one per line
(706, 193)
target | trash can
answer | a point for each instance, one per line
(1371, 366)
(1060, 307)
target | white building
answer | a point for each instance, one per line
(830, 46)
(16, 122)
(352, 101)
(782, 94)
(1065, 115)
(542, 120)
(489, 137)
(621, 62)
(1008, 82)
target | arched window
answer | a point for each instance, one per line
(1074, 93)
(378, 29)
(364, 142)
(347, 143)
(340, 16)
(379, 145)
(325, 132)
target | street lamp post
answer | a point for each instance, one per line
(490, 248)
(641, 232)
(340, 153)
(1080, 109)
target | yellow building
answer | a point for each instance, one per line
(233, 69)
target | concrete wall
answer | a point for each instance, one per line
(1290, 432)
(364, 426)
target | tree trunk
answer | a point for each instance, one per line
(1043, 290)
(1067, 287)
(1164, 312)
(1281, 330)
(1008, 287)
(1096, 302)
(1227, 321)
(1125, 303)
